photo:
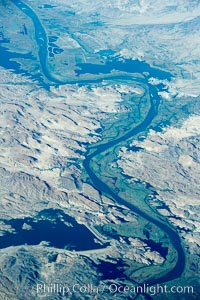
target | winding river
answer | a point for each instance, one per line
(99, 184)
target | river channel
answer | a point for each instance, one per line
(98, 182)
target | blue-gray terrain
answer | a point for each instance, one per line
(99, 149)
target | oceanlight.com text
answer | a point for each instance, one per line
(91, 289)
(150, 289)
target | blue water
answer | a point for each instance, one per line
(105, 189)
(52, 38)
(128, 66)
(48, 6)
(52, 230)
(111, 270)
(157, 247)
(7, 60)
(106, 52)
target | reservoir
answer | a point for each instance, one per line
(51, 226)
(127, 65)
